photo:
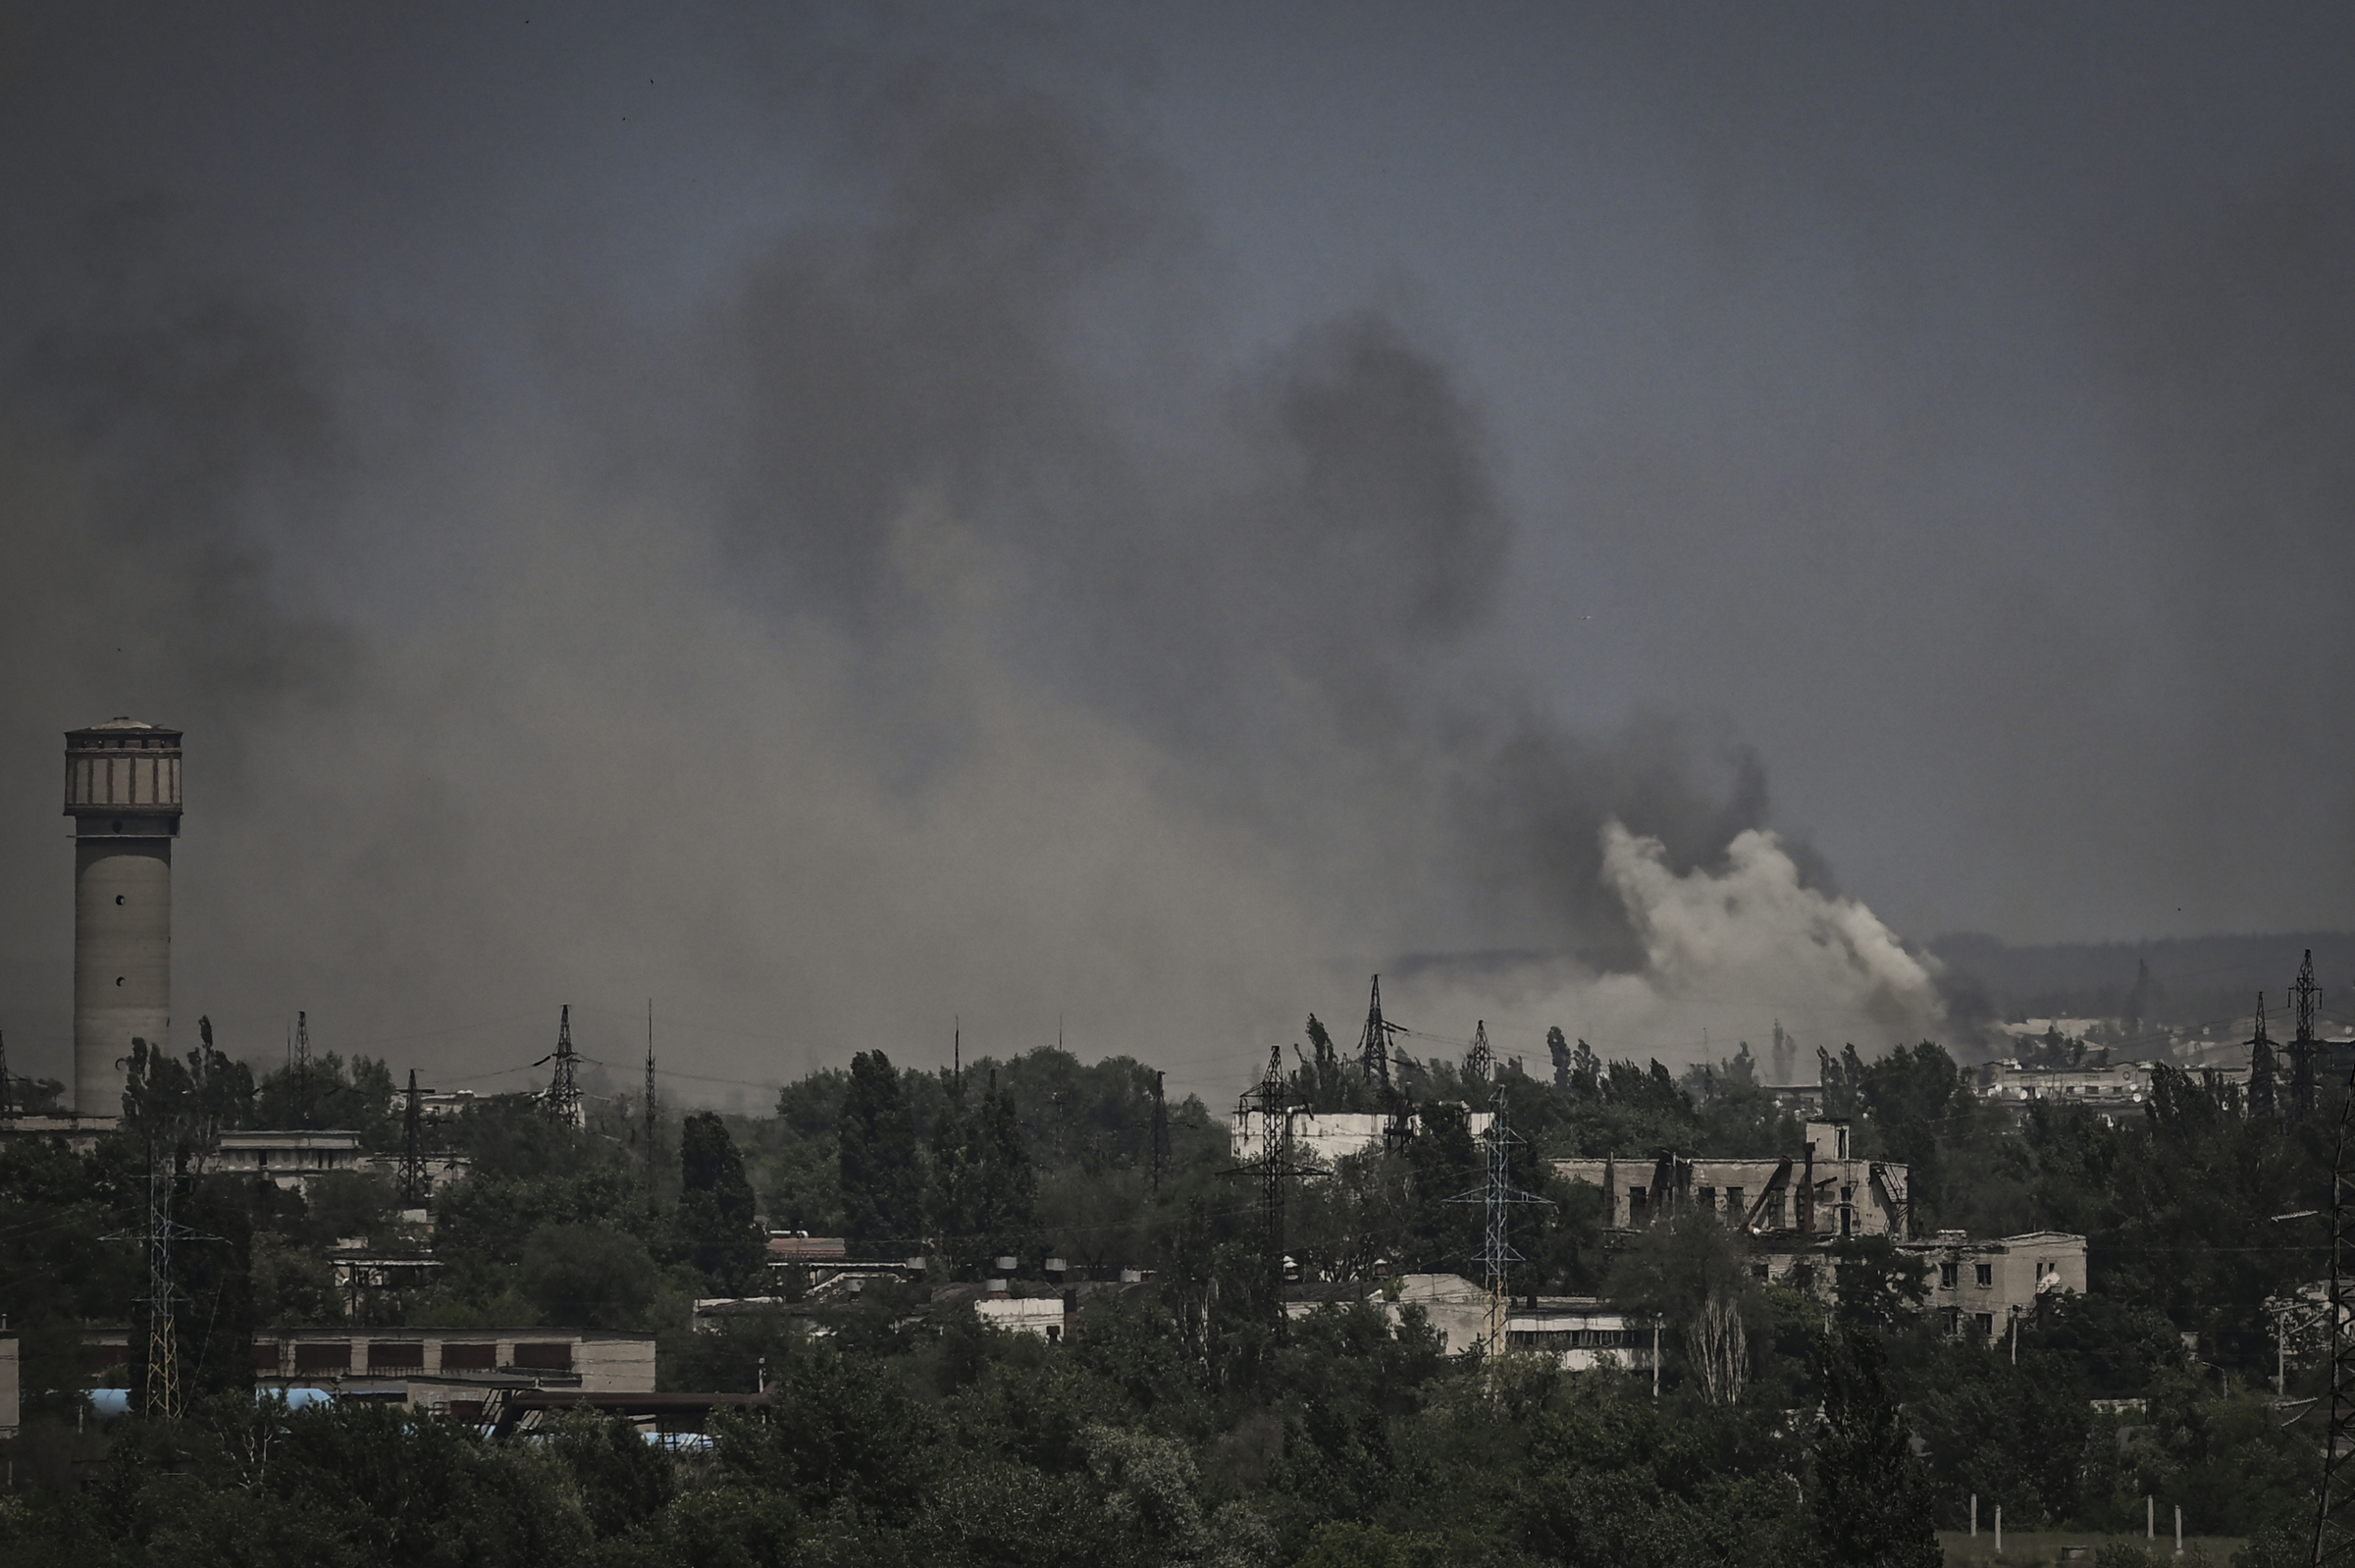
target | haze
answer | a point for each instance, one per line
(855, 523)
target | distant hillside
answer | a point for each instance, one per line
(2198, 979)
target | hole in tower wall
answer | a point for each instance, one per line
(118, 897)
(118, 980)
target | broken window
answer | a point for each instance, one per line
(1986, 1275)
(1946, 1280)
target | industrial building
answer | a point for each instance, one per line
(288, 1159)
(449, 1372)
(1822, 1191)
(1981, 1287)
(1329, 1136)
(1581, 1332)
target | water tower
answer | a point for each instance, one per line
(123, 792)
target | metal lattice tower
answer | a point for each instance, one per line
(303, 1069)
(2262, 1100)
(1270, 1169)
(2335, 1510)
(7, 1104)
(1480, 1062)
(166, 1124)
(563, 1101)
(163, 1342)
(1161, 1131)
(412, 1148)
(2305, 1069)
(1497, 1199)
(162, 1297)
(1374, 1046)
(650, 1108)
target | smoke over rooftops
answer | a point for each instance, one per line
(806, 537)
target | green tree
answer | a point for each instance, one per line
(1006, 1184)
(883, 1182)
(716, 1215)
(1872, 1497)
(588, 1276)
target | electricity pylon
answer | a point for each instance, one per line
(1498, 1197)
(1160, 1131)
(563, 1101)
(2304, 1069)
(1480, 1061)
(1271, 1168)
(1374, 1046)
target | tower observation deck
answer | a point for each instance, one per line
(123, 792)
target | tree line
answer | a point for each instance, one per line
(1187, 1417)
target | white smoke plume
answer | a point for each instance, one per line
(1728, 950)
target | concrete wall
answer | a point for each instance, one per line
(1583, 1338)
(1329, 1136)
(1038, 1314)
(2014, 1269)
(594, 1362)
(1849, 1190)
(122, 958)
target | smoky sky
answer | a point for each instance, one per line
(855, 523)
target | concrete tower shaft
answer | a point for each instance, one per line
(123, 792)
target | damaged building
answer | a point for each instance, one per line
(1823, 1191)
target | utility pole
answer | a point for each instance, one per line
(412, 1149)
(563, 1102)
(1481, 1062)
(1161, 1130)
(650, 1108)
(1374, 1046)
